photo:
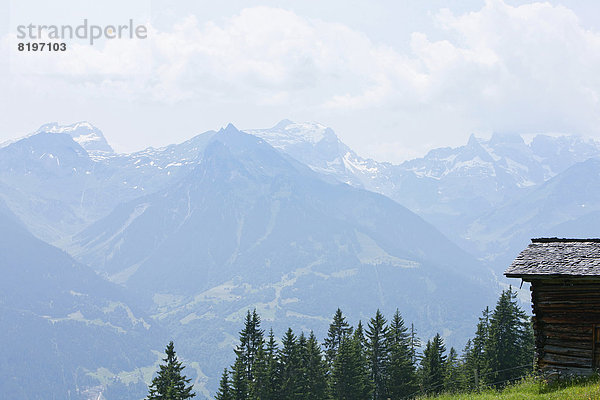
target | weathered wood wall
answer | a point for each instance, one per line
(565, 313)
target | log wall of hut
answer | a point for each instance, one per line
(567, 325)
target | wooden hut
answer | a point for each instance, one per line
(565, 296)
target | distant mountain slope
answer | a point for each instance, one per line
(43, 179)
(453, 188)
(64, 328)
(568, 205)
(57, 187)
(251, 227)
(245, 182)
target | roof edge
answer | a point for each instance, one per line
(563, 240)
(527, 277)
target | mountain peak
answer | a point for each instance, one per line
(85, 134)
(283, 123)
(472, 140)
(230, 128)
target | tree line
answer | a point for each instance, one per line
(382, 360)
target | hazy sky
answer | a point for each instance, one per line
(392, 78)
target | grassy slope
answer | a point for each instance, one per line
(534, 389)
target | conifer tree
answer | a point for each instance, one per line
(401, 370)
(273, 368)
(509, 348)
(251, 340)
(260, 386)
(315, 369)
(302, 376)
(170, 384)
(359, 334)
(338, 330)
(224, 391)
(433, 365)
(239, 383)
(475, 360)
(415, 343)
(349, 377)
(377, 354)
(453, 378)
(266, 371)
(360, 341)
(289, 358)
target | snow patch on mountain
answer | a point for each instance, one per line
(85, 134)
(287, 133)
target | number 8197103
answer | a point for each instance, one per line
(42, 46)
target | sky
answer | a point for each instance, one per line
(393, 79)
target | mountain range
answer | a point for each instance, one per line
(460, 190)
(180, 241)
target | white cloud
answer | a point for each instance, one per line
(526, 67)
(507, 68)
(263, 53)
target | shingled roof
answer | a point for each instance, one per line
(548, 257)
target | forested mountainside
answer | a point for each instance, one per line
(66, 326)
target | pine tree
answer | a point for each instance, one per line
(224, 391)
(302, 375)
(359, 334)
(289, 358)
(170, 384)
(433, 365)
(361, 346)
(266, 371)
(273, 368)
(339, 329)
(475, 360)
(251, 340)
(315, 369)
(415, 343)
(453, 378)
(349, 377)
(509, 348)
(239, 383)
(260, 384)
(401, 370)
(377, 354)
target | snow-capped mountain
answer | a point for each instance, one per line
(85, 134)
(506, 158)
(57, 187)
(453, 187)
(319, 147)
